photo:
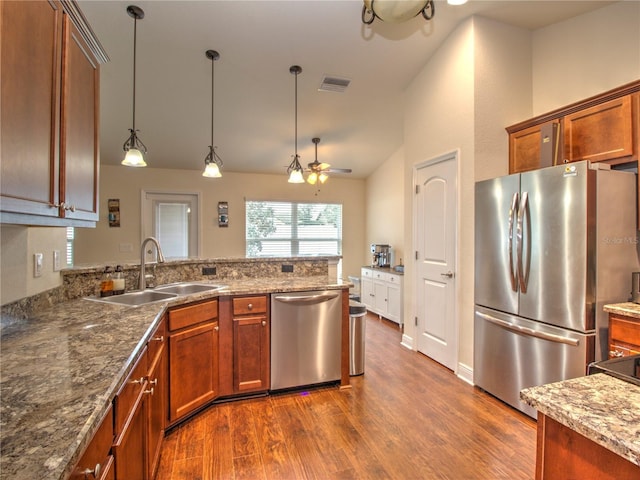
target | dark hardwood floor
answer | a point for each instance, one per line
(407, 417)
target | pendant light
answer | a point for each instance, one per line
(295, 169)
(133, 147)
(396, 11)
(212, 162)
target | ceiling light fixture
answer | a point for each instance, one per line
(396, 11)
(294, 170)
(212, 162)
(134, 147)
(317, 168)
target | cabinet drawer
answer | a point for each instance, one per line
(622, 330)
(245, 305)
(621, 350)
(98, 452)
(156, 342)
(366, 272)
(192, 315)
(125, 401)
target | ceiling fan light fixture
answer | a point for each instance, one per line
(133, 146)
(396, 11)
(312, 178)
(212, 162)
(323, 177)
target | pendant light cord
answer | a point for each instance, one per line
(135, 29)
(212, 98)
(296, 118)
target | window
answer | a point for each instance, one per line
(285, 229)
(70, 236)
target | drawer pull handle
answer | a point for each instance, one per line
(150, 391)
(140, 380)
(95, 473)
(153, 382)
(158, 339)
(616, 353)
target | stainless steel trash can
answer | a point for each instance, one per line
(357, 328)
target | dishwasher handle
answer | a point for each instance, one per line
(305, 299)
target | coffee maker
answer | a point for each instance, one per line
(381, 255)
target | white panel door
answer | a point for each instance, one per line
(436, 218)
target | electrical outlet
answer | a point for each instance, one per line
(56, 260)
(37, 264)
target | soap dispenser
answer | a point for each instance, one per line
(106, 283)
(118, 281)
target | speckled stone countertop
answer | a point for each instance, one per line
(600, 407)
(629, 309)
(62, 366)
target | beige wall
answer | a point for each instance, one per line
(385, 208)
(103, 243)
(18, 245)
(585, 56)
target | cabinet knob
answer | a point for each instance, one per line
(250, 306)
(95, 473)
(216, 328)
(264, 323)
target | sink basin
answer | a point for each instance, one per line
(187, 288)
(136, 298)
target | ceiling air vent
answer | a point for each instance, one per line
(334, 84)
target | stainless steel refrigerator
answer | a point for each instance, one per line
(552, 246)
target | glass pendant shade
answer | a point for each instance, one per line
(134, 158)
(212, 171)
(296, 176)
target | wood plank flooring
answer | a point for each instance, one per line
(407, 417)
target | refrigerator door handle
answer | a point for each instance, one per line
(523, 211)
(513, 211)
(528, 331)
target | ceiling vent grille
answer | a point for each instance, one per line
(334, 84)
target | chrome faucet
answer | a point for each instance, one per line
(142, 283)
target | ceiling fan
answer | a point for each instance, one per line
(318, 171)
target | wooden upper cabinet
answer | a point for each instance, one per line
(534, 147)
(602, 132)
(49, 117)
(31, 52)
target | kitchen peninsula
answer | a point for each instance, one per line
(588, 427)
(63, 365)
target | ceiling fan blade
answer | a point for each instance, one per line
(337, 170)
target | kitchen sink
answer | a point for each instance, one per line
(136, 298)
(187, 288)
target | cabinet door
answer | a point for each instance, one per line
(130, 448)
(624, 336)
(380, 297)
(157, 393)
(30, 63)
(250, 354)
(79, 127)
(394, 303)
(534, 147)
(603, 132)
(97, 459)
(367, 295)
(193, 369)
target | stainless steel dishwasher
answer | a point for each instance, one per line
(306, 338)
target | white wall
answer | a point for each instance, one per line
(385, 208)
(102, 244)
(585, 56)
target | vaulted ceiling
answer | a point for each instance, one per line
(254, 91)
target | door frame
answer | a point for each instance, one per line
(198, 217)
(453, 155)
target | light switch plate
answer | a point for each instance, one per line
(56, 260)
(37, 264)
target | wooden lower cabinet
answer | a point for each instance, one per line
(624, 335)
(564, 453)
(157, 355)
(97, 460)
(193, 358)
(251, 342)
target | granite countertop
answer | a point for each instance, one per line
(629, 309)
(600, 407)
(62, 366)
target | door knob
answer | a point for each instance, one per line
(449, 274)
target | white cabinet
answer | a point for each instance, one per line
(381, 292)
